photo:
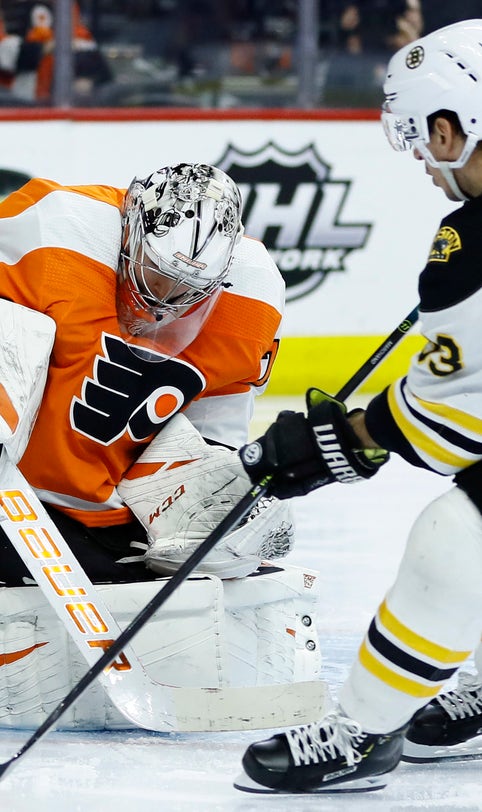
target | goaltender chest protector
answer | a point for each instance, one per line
(102, 402)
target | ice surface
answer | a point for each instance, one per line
(354, 536)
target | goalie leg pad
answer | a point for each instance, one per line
(247, 632)
(26, 342)
(271, 627)
(181, 488)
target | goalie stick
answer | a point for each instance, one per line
(91, 626)
(81, 609)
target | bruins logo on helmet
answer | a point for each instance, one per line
(445, 243)
(415, 57)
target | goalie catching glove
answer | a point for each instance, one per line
(180, 488)
(304, 453)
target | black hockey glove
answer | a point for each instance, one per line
(304, 453)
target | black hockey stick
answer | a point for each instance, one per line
(225, 526)
(379, 355)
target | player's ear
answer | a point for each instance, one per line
(445, 138)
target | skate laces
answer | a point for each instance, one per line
(335, 735)
(465, 700)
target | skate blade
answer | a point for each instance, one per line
(246, 784)
(423, 754)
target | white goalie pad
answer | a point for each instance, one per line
(181, 488)
(256, 631)
(26, 340)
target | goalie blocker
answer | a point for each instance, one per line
(255, 631)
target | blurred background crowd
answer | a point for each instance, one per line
(209, 53)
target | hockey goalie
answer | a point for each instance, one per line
(136, 328)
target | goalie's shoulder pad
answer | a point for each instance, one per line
(26, 341)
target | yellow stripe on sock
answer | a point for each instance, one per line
(416, 642)
(394, 680)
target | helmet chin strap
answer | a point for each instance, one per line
(448, 174)
(447, 167)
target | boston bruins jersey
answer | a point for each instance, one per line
(103, 403)
(433, 416)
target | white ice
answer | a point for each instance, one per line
(355, 537)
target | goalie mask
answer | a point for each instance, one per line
(441, 71)
(179, 229)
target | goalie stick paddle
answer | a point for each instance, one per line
(82, 603)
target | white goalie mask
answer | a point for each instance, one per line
(441, 71)
(179, 229)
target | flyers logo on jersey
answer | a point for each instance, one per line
(445, 243)
(129, 393)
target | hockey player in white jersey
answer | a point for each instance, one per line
(393, 703)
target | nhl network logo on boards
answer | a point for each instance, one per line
(292, 204)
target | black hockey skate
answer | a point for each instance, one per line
(449, 727)
(333, 755)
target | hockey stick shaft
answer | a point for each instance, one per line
(379, 355)
(226, 525)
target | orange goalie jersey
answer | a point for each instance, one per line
(102, 404)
